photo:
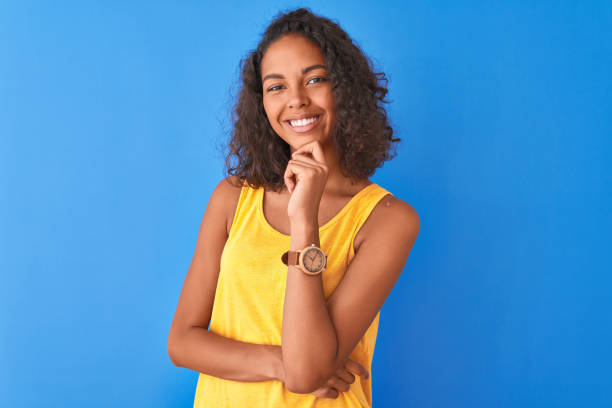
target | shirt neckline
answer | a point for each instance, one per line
(335, 218)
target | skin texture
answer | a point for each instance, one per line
(306, 364)
(310, 360)
(288, 92)
(299, 95)
(364, 138)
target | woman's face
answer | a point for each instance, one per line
(297, 92)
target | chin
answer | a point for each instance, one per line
(299, 141)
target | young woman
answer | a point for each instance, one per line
(298, 249)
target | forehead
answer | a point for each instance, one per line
(290, 53)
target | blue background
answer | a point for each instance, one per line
(111, 118)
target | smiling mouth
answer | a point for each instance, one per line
(303, 125)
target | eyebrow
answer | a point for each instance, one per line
(305, 70)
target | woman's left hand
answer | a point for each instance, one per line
(341, 381)
(305, 178)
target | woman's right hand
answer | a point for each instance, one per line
(341, 381)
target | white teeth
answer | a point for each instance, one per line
(303, 122)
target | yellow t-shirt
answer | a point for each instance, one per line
(250, 295)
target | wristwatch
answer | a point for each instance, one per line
(311, 260)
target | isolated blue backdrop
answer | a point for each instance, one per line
(111, 115)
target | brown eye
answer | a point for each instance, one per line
(274, 88)
(319, 79)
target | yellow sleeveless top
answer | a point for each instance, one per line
(250, 294)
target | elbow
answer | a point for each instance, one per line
(304, 382)
(307, 376)
(173, 348)
(299, 385)
(172, 356)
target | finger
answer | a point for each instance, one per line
(298, 168)
(309, 160)
(310, 167)
(356, 368)
(345, 375)
(314, 148)
(303, 161)
(310, 151)
(338, 383)
(302, 153)
(304, 149)
(289, 177)
(326, 392)
(304, 170)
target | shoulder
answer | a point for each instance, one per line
(226, 189)
(391, 219)
(226, 195)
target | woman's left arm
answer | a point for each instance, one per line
(318, 335)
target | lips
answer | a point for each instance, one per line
(305, 127)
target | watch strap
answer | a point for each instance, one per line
(291, 258)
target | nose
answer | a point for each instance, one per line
(298, 98)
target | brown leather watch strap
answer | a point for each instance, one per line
(291, 257)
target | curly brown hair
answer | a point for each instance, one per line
(362, 137)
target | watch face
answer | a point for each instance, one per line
(313, 260)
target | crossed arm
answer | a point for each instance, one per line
(313, 350)
(319, 335)
(190, 343)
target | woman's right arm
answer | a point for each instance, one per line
(190, 343)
